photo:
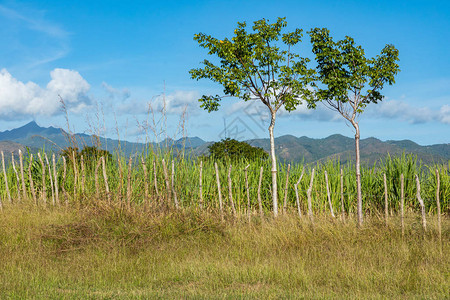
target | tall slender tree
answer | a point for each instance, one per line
(347, 82)
(257, 65)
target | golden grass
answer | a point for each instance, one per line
(102, 252)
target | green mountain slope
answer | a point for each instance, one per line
(288, 147)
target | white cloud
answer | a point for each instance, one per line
(68, 84)
(320, 113)
(114, 93)
(444, 114)
(175, 103)
(395, 109)
(258, 109)
(29, 99)
(252, 108)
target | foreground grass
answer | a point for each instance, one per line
(103, 252)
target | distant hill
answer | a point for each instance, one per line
(288, 147)
(27, 131)
(55, 139)
(9, 147)
(291, 148)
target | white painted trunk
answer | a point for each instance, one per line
(422, 205)
(274, 166)
(358, 174)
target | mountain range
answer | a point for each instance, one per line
(288, 147)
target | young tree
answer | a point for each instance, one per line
(257, 66)
(347, 82)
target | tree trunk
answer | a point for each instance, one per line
(129, 187)
(308, 194)
(105, 178)
(200, 192)
(166, 178)
(342, 195)
(230, 191)
(97, 184)
(174, 192)
(274, 166)
(286, 189)
(402, 203)
(6, 178)
(296, 193)
(83, 175)
(119, 192)
(51, 179)
(358, 174)
(328, 195)
(219, 190)
(259, 194)
(44, 186)
(155, 178)
(55, 179)
(24, 190)
(248, 193)
(422, 205)
(75, 175)
(386, 203)
(144, 168)
(63, 188)
(438, 206)
(30, 177)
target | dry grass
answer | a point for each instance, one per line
(97, 251)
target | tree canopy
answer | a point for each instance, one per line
(347, 80)
(90, 154)
(235, 150)
(256, 65)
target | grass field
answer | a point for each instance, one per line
(104, 252)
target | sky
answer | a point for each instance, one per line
(117, 65)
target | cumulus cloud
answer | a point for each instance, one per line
(395, 109)
(444, 114)
(177, 102)
(114, 93)
(252, 108)
(174, 104)
(392, 109)
(258, 109)
(19, 99)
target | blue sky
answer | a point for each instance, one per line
(110, 60)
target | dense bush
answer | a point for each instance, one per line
(235, 150)
(90, 154)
